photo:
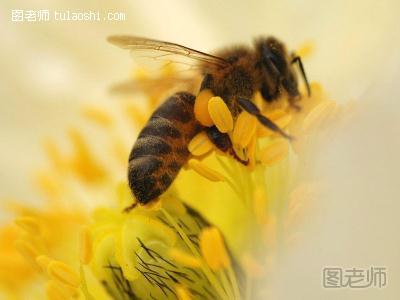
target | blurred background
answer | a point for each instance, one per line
(50, 68)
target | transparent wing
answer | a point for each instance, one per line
(152, 86)
(168, 52)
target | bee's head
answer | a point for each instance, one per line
(276, 68)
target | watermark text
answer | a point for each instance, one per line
(46, 15)
(358, 278)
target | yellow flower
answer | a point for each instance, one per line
(170, 250)
(216, 232)
(153, 253)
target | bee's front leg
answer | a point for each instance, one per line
(223, 142)
(252, 109)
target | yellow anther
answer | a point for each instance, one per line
(43, 262)
(48, 185)
(283, 121)
(28, 250)
(275, 114)
(52, 292)
(220, 114)
(318, 114)
(306, 49)
(97, 115)
(135, 114)
(201, 108)
(184, 258)
(182, 293)
(205, 171)
(274, 152)
(29, 224)
(58, 291)
(121, 151)
(86, 250)
(62, 272)
(245, 127)
(280, 118)
(213, 249)
(54, 155)
(200, 144)
(83, 163)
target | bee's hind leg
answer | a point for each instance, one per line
(223, 142)
(252, 109)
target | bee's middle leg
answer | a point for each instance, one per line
(223, 142)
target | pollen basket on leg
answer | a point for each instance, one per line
(201, 108)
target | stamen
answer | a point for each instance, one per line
(29, 224)
(184, 259)
(274, 152)
(182, 293)
(62, 272)
(85, 246)
(48, 185)
(220, 114)
(28, 250)
(205, 171)
(200, 144)
(57, 291)
(208, 273)
(279, 117)
(306, 49)
(83, 162)
(43, 262)
(244, 130)
(213, 249)
(201, 108)
(54, 155)
(318, 114)
(135, 114)
(97, 115)
(251, 152)
(120, 150)
(154, 205)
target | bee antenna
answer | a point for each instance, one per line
(297, 59)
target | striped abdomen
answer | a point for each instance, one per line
(161, 148)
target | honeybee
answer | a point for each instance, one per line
(234, 74)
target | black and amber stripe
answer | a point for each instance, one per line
(161, 148)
